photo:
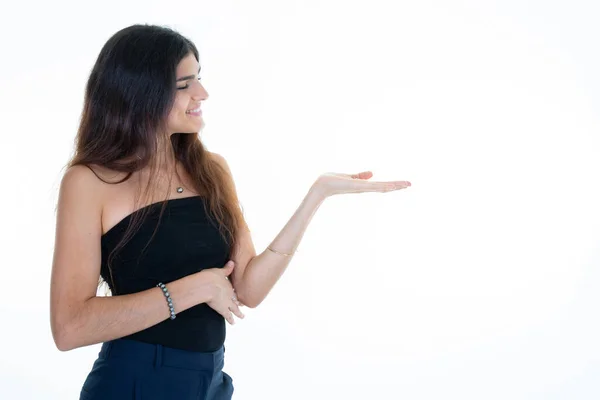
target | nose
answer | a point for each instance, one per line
(200, 93)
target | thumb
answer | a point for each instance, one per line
(228, 268)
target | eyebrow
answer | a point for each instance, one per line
(185, 78)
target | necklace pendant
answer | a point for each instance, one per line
(179, 189)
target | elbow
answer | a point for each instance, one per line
(62, 335)
(251, 304)
(249, 301)
(249, 295)
(67, 325)
(63, 345)
(62, 341)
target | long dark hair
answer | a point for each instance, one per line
(128, 97)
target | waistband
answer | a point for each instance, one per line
(159, 355)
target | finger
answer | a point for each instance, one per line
(358, 175)
(397, 185)
(235, 299)
(236, 310)
(228, 268)
(362, 175)
(402, 183)
(238, 302)
(360, 185)
(389, 186)
(229, 317)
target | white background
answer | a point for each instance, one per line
(481, 281)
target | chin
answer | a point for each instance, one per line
(196, 125)
(190, 128)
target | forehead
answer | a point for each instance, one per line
(188, 65)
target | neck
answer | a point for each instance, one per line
(166, 154)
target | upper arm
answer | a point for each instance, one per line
(245, 250)
(77, 253)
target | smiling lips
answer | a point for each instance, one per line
(196, 112)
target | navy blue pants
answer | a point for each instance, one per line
(132, 370)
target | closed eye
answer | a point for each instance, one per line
(187, 86)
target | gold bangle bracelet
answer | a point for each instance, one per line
(283, 254)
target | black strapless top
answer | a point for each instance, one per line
(185, 242)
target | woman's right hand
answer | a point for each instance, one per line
(222, 299)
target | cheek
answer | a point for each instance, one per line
(182, 105)
(179, 109)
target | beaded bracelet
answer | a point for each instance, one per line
(168, 296)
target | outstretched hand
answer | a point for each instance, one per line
(332, 183)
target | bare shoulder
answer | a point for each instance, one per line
(104, 174)
(81, 177)
(79, 208)
(215, 156)
(219, 159)
(81, 183)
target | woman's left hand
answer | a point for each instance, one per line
(332, 183)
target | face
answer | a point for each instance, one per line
(186, 116)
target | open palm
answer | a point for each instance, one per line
(332, 183)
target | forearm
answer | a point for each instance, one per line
(264, 270)
(100, 319)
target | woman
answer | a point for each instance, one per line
(144, 207)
